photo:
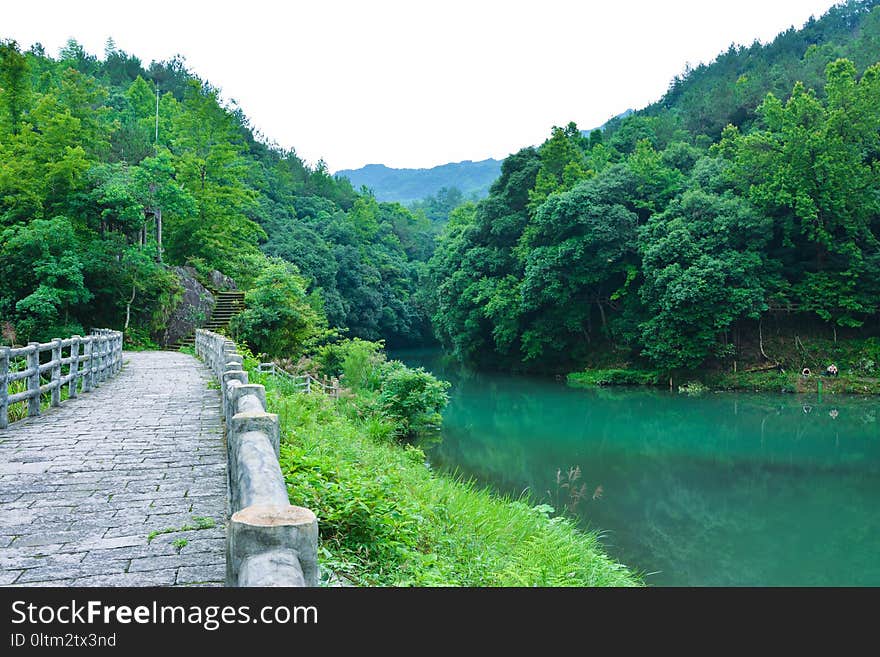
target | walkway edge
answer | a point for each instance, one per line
(269, 542)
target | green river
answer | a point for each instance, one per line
(721, 489)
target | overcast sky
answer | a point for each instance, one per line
(417, 83)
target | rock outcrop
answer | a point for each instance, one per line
(221, 282)
(193, 310)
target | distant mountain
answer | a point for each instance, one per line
(614, 119)
(408, 185)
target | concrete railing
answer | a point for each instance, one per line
(269, 542)
(304, 382)
(90, 360)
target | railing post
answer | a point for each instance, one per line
(33, 381)
(74, 367)
(56, 372)
(96, 364)
(102, 359)
(4, 387)
(88, 358)
(272, 545)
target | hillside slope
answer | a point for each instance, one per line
(739, 211)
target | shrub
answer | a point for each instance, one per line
(693, 388)
(356, 360)
(137, 338)
(611, 377)
(280, 318)
(413, 397)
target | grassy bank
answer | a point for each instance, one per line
(614, 377)
(772, 381)
(794, 382)
(858, 362)
(386, 519)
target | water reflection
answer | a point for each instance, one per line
(716, 489)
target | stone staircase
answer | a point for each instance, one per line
(228, 304)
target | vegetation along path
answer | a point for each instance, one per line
(125, 486)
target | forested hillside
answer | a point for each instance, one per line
(93, 161)
(750, 193)
(408, 185)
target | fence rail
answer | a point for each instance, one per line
(269, 542)
(306, 382)
(90, 360)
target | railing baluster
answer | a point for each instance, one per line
(88, 359)
(74, 367)
(4, 387)
(33, 363)
(56, 372)
(101, 358)
(104, 358)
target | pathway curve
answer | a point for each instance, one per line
(124, 486)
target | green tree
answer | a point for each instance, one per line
(580, 248)
(812, 167)
(562, 164)
(210, 164)
(42, 270)
(280, 317)
(14, 86)
(704, 269)
(475, 268)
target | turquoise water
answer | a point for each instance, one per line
(720, 489)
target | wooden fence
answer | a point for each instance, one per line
(305, 382)
(90, 360)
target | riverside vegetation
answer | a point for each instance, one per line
(386, 517)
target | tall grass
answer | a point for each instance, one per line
(19, 410)
(387, 519)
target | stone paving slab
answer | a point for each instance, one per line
(97, 492)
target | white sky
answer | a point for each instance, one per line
(417, 83)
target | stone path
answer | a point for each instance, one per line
(84, 487)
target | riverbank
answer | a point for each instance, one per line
(858, 362)
(387, 519)
(768, 381)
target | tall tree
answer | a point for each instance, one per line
(14, 86)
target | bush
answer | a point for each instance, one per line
(590, 378)
(413, 397)
(356, 361)
(137, 339)
(693, 388)
(280, 318)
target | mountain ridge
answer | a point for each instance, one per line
(407, 185)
